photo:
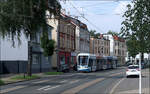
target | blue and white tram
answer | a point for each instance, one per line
(86, 62)
(115, 61)
(111, 62)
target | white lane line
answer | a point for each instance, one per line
(51, 88)
(63, 81)
(44, 87)
(69, 75)
(11, 89)
(80, 87)
(74, 81)
(113, 89)
(41, 81)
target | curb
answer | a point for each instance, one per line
(44, 76)
(20, 81)
(31, 79)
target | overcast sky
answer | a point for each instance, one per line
(102, 15)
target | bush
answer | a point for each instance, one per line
(1, 82)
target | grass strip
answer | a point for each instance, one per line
(22, 77)
(53, 73)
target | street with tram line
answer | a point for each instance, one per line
(111, 81)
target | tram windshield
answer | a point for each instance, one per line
(83, 60)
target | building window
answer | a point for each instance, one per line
(35, 59)
(49, 33)
(115, 52)
(72, 60)
(62, 59)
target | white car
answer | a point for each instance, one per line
(132, 70)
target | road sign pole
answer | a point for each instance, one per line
(140, 76)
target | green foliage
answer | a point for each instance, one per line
(1, 82)
(112, 32)
(132, 46)
(21, 77)
(137, 24)
(25, 16)
(54, 73)
(47, 45)
(94, 34)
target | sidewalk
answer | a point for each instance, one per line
(7, 78)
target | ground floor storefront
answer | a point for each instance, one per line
(67, 60)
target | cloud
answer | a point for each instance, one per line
(99, 13)
(121, 8)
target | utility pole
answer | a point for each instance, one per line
(58, 45)
(140, 76)
(29, 67)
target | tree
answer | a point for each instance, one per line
(27, 16)
(132, 46)
(137, 23)
(47, 45)
(112, 32)
(94, 34)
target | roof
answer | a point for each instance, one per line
(67, 18)
(118, 38)
(75, 21)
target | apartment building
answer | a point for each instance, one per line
(118, 47)
(100, 46)
(15, 59)
(64, 34)
(82, 37)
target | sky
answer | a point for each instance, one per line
(99, 15)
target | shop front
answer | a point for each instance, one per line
(64, 60)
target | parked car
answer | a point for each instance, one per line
(64, 68)
(132, 70)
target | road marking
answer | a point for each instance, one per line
(52, 87)
(11, 89)
(37, 82)
(85, 85)
(80, 87)
(63, 81)
(113, 89)
(74, 81)
(44, 87)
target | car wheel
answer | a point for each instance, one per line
(127, 76)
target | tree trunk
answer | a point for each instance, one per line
(142, 57)
(29, 70)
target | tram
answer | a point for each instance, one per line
(89, 62)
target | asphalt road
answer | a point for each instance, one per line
(111, 81)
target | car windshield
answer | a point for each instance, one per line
(133, 67)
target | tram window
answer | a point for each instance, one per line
(90, 62)
(83, 60)
(94, 62)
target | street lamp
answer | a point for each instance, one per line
(140, 76)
